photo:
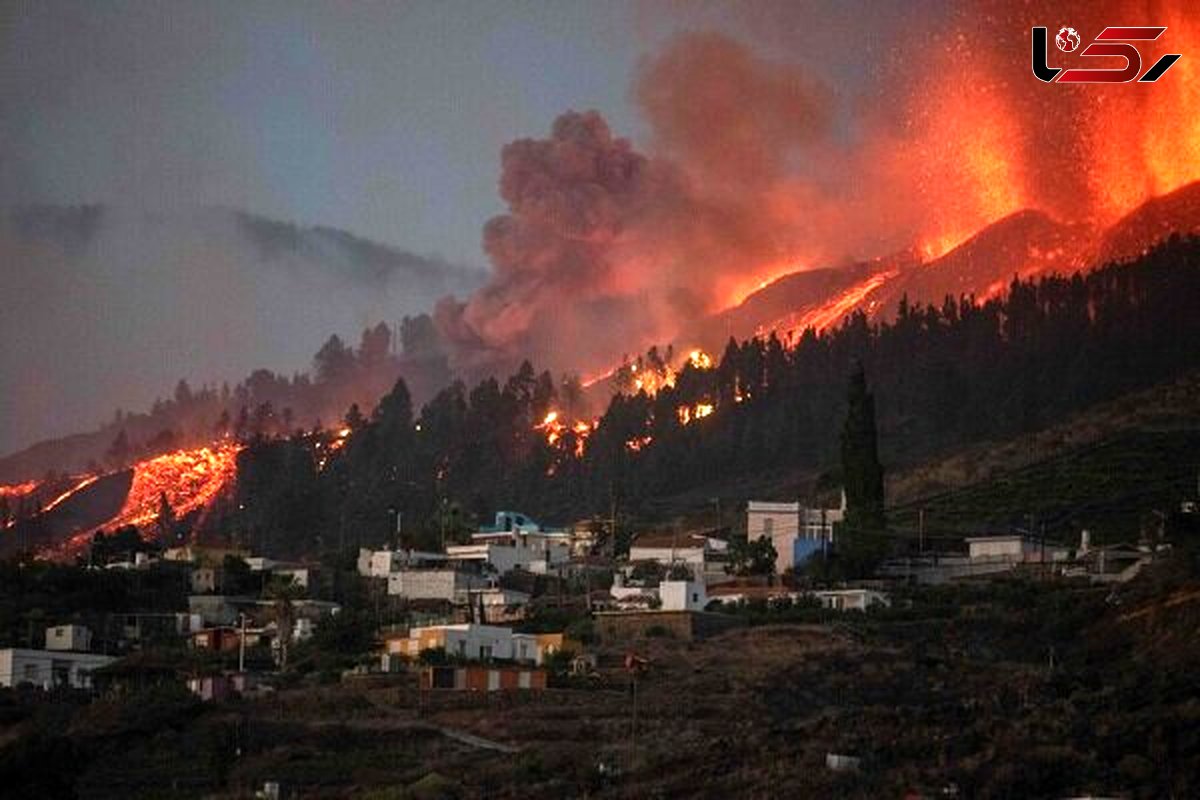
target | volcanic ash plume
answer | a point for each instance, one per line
(756, 169)
(604, 246)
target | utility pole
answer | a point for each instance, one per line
(242, 645)
(921, 529)
(443, 524)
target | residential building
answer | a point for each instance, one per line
(482, 679)
(204, 580)
(218, 609)
(448, 584)
(850, 599)
(688, 595)
(69, 637)
(64, 662)
(693, 549)
(796, 531)
(221, 639)
(1016, 548)
(475, 642)
(49, 668)
(381, 563)
(222, 687)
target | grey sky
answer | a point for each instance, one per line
(385, 119)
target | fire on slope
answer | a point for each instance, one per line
(189, 479)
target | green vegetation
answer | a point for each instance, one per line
(1111, 488)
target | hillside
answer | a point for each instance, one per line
(1003, 690)
(110, 306)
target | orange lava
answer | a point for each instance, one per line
(190, 479)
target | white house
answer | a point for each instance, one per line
(64, 662)
(300, 575)
(504, 557)
(1014, 548)
(69, 637)
(381, 563)
(49, 668)
(668, 549)
(851, 599)
(682, 595)
(478, 642)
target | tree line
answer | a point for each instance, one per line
(941, 375)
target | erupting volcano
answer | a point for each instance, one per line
(764, 199)
(944, 185)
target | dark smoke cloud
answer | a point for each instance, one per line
(756, 165)
(604, 246)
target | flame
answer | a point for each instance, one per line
(335, 442)
(638, 443)
(555, 430)
(190, 479)
(688, 414)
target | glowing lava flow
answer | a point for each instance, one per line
(832, 311)
(189, 479)
(82, 483)
(16, 490)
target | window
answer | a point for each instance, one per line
(485, 652)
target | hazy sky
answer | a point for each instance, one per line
(385, 118)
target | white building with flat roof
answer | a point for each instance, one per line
(49, 669)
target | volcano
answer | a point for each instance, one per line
(1023, 245)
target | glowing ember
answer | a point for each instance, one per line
(638, 443)
(554, 430)
(688, 414)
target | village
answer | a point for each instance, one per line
(471, 617)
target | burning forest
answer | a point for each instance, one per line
(766, 214)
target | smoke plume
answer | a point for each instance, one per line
(756, 166)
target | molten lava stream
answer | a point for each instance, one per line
(189, 479)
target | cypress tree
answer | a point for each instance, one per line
(861, 470)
